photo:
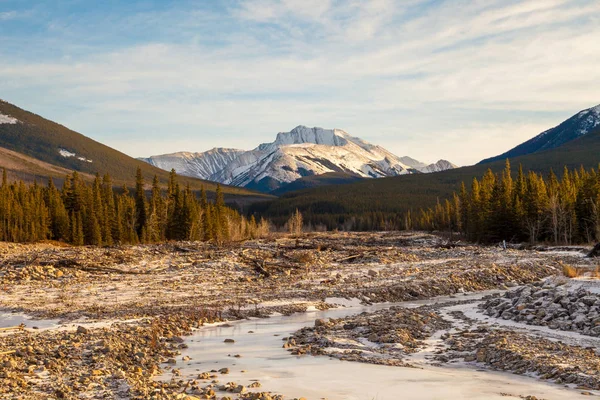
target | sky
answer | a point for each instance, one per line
(431, 79)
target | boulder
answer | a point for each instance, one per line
(595, 251)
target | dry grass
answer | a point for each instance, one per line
(570, 272)
(574, 272)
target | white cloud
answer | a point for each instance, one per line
(275, 11)
(8, 15)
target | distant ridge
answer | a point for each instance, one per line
(575, 127)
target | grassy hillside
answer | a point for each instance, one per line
(36, 138)
(386, 197)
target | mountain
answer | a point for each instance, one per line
(302, 152)
(338, 206)
(575, 127)
(441, 165)
(201, 165)
(34, 148)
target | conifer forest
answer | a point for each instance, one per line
(530, 207)
(94, 214)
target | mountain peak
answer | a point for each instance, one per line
(303, 134)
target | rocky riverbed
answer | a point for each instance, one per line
(506, 350)
(383, 337)
(121, 315)
(558, 303)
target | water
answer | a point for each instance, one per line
(14, 319)
(264, 359)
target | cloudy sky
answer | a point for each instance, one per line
(460, 80)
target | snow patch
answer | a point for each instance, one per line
(68, 154)
(7, 119)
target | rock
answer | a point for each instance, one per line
(239, 389)
(224, 371)
(82, 330)
(373, 273)
(228, 341)
(595, 251)
(373, 337)
(481, 354)
(320, 322)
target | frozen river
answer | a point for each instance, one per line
(259, 344)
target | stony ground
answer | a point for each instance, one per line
(506, 350)
(556, 304)
(135, 303)
(383, 337)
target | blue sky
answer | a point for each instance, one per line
(460, 80)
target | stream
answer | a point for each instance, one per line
(262, 358)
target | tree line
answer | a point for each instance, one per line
(529, 207)
(94, 214)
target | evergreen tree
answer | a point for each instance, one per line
(140, 203)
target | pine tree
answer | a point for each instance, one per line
(140, 203)
(220, 224)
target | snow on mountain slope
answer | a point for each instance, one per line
(441, 165)
(578, 125)
(411, 162)
(200, 165)
(7, 119)
(301, 152)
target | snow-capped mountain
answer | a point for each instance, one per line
(204, 164)
(301, 152)
(578, 125)
(441, 165)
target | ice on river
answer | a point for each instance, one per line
(264, 359)
(14, 319)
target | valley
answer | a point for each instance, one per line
(150, 321)
(299, 200)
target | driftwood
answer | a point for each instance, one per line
(595, 251)
(12, 328)
(5, 353)
(350, 258)
(259, 265)
(74, 264)
(183, 249)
